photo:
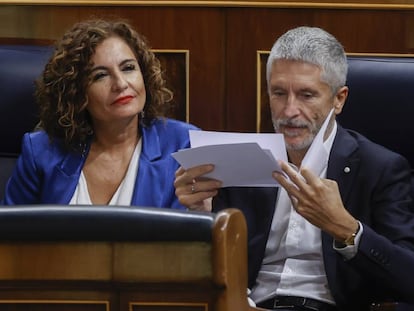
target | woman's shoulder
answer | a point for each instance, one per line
(37, 138)
(174, 123)
(39, 143)
(172, 126)
(170, 133)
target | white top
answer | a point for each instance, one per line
(122, 195)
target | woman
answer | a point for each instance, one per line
(102, 138)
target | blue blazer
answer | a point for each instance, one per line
(376, 191)
(47, 174)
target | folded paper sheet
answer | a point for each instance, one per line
(240, 159)
(248, 159)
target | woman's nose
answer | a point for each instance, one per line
(119, 83)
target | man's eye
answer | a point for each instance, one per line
(278, 93)
(307, 95)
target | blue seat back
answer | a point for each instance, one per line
(380, 102)
(20, 66)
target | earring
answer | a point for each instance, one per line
(142, 113)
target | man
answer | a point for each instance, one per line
(339, 234)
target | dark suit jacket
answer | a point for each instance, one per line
(47, 173)
(376, 191)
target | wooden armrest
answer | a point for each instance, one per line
(256, 309)
(384, 306)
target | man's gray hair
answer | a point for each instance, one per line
(315, 46)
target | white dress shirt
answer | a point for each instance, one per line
(293, 262)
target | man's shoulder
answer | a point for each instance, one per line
(367, 147)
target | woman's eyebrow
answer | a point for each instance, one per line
(120, 64)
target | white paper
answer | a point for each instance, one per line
(240, 159)
(271, 141)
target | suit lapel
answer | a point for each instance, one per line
(343, 167)
(344, 162)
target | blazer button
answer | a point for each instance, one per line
(374, 253)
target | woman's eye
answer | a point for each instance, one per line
(98, 76)
(129, 67)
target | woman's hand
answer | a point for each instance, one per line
(193, 190)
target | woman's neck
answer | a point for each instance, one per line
(116, 139)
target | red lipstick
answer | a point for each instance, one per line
(123, 100)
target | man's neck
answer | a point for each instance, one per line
(296, 156)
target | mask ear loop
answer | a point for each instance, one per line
(293, 166)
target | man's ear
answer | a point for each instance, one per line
(339, 99)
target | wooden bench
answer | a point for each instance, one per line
(118, 258)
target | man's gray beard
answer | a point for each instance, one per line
(305, 144)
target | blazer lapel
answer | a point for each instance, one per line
(343, 167)
(149, 193)
(65, 178)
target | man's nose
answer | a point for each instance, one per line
(291, 106)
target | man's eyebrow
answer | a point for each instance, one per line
(308, 89)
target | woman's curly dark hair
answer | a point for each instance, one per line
(61, 90)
